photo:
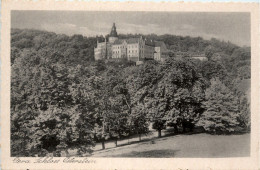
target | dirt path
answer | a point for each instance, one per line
(131, 141)
(196, 145)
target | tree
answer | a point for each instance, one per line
(178, 94)
(113, 107)
(244, 72)
(118, 125)
(22, 100)
(101, 98)
(156, 104)
(57, 112)
(209, 51)
(138, 121)
(241, 88)
(245, 113)
(239, 63)
(139, 81)
(221, 109)
(212, 69)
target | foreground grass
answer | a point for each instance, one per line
(196, 145)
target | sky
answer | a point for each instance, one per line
(228, 26)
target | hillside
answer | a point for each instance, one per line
(71, 50)
(62, 99)
(78, 46)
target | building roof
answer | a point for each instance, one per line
(148, 42)
(119, 41)
(128, 41)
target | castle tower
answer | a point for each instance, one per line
(113, 34)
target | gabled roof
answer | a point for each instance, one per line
(119, 41)
(128, 41)
(148, 42)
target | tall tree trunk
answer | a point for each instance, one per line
(116, 142)
(103, 136)
(140, 136)
(183, 127)
(175, 128)
(56, 153)
(67, 153)
(159, 133)
(191, 127)
(103, 144)
(78, 152)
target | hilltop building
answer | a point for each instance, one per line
(133, 49)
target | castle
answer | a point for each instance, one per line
(133, 49)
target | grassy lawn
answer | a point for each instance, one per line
(196, 145)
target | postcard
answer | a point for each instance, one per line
(129, 85)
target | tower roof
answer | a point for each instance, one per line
(113, 32)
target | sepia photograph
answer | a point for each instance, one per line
(130, 84)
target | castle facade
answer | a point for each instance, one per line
(132, 49)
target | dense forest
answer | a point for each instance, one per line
(62, 99)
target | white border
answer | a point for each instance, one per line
(132, 163)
